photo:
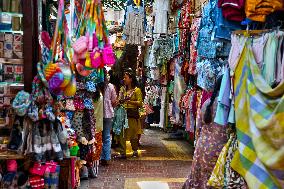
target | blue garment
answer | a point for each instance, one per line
(223, 27)
(207, 72)
(224, 113)
(131, 8)
(205, 46)
(120, 120)
(106, 151)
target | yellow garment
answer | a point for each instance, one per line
(135, 127)
(135, 95)
(99, 113)
(259, 122)
(217, 177)
(257, 10)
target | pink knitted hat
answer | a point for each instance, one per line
(12, 166)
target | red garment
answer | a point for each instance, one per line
(36, 182)
(233, 10)
(193, 51)
(184, 24)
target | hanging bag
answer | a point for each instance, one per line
(58, 72)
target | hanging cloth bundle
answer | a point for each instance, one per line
(57, 74)
(92, 50)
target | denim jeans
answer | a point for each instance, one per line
(106, 152)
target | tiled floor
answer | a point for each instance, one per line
(163, 164)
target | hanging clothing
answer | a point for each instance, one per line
(233, 9)
(193, 51)
(134, 29)
(208, 147)
(238, 43)
(223, 176)
(160, 11)
(225, 110)
(258, 10)
(259, 122)
(205, 46)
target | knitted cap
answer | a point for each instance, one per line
(12, 166)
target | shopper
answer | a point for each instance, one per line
(109, 103)
(130, 97)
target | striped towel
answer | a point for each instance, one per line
(260, 124)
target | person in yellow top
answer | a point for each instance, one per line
(130, 97)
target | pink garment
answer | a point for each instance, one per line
(109, 97)
(238, 43)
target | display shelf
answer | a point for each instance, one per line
(12, 14)
(11, 31)
(11, 61)
(10, 155)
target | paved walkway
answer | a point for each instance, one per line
(163, 164)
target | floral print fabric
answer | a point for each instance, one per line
(209, 145)
(193, 51)
(223, 176)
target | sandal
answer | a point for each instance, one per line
(135, 154)
(120, 156)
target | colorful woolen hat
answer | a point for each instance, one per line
(21, 103)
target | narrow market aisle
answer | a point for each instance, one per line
(162, 164)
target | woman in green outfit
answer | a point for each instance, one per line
(130, 97)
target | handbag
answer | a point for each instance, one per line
(81, 45)
(38, 169)
(133, 113)
(108, 56)
(96, 59)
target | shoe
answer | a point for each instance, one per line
(104, 162)
(135, 154)
(92, 173)
(84, 175)
(121, 156)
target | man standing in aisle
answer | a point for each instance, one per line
(109, 103)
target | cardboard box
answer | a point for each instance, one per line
(9, 38)
(16, 23)
(8, 54)
(15, 6)
(6, 5)
(4, 89)
(1, 49)
(18, 55)
(2, 37)
(17, 47)
(8, 69)
(5, 18)
(8, 46)
(15, 88)
(18, 38)
(18, 69)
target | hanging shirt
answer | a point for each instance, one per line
(160, 10)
